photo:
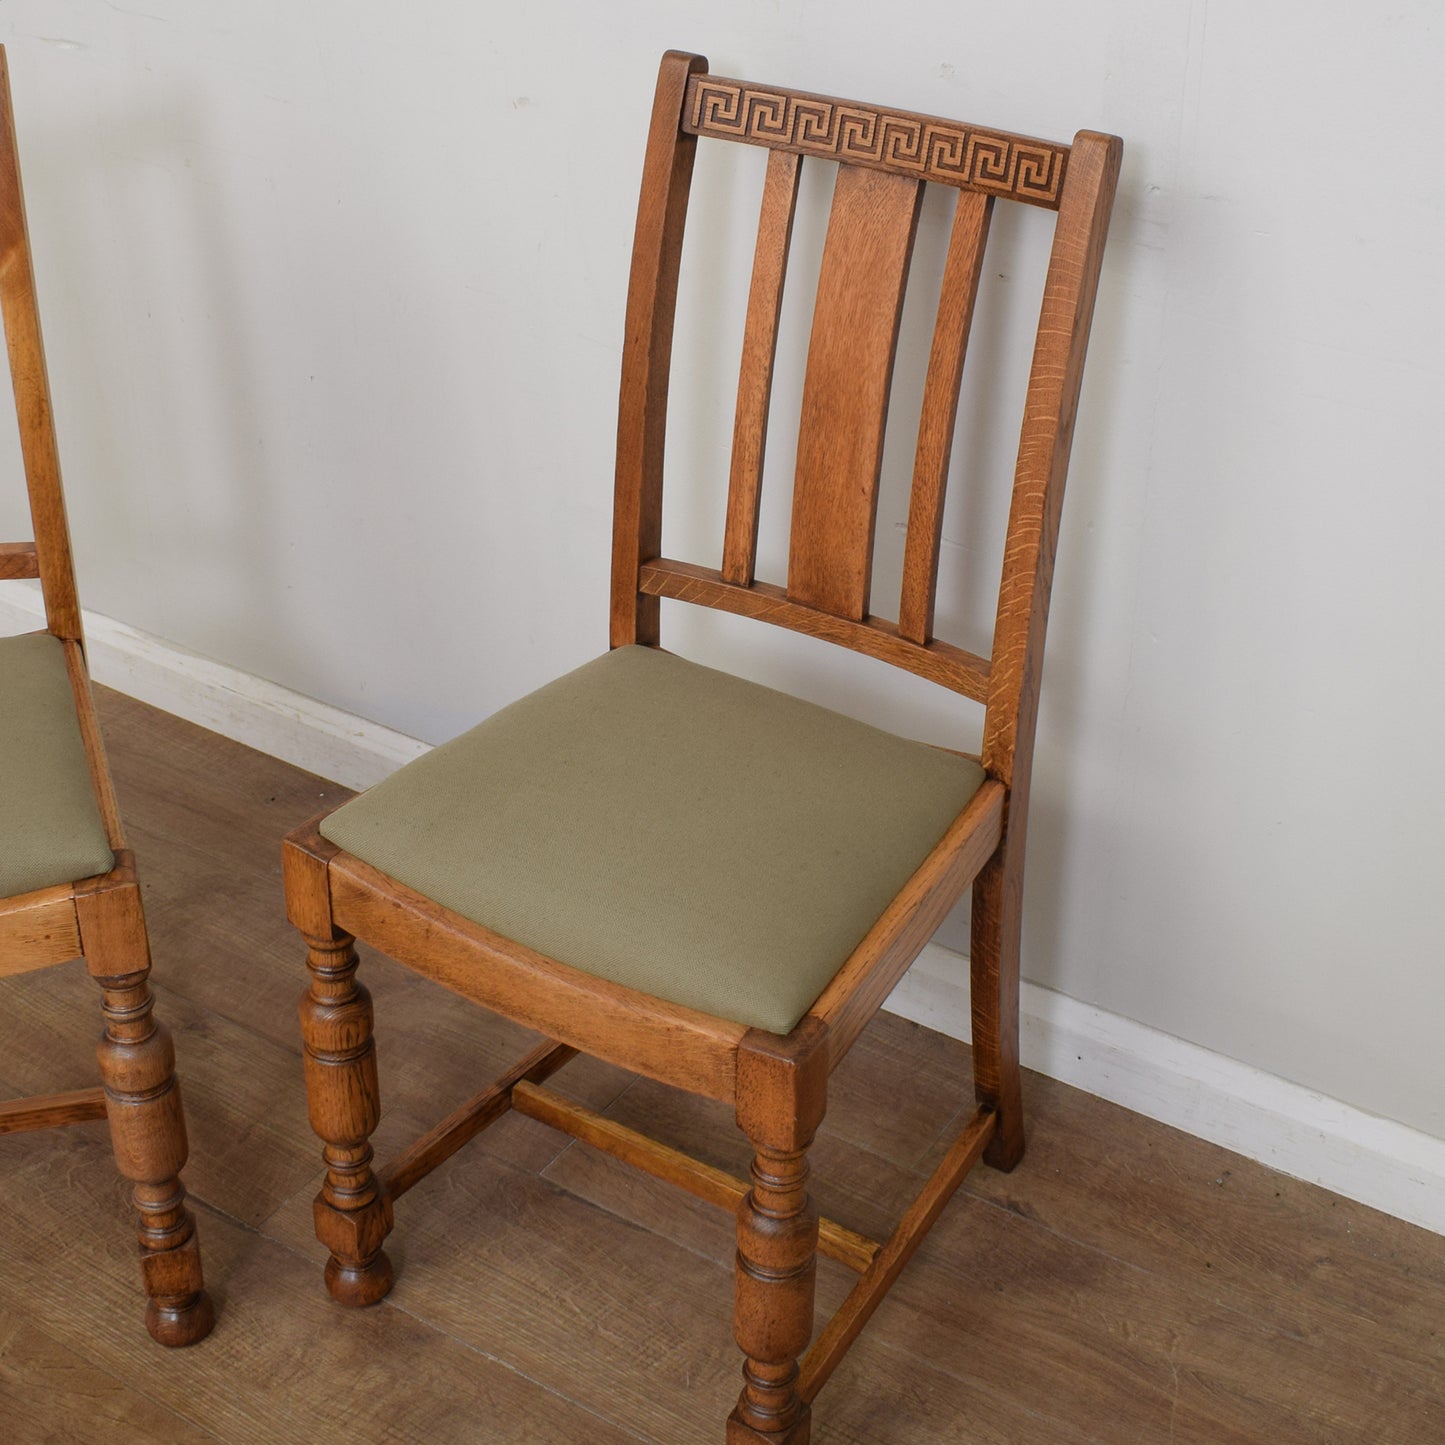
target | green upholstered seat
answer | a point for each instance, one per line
(50, 826)
(670, 828)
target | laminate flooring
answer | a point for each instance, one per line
(1126, 1283)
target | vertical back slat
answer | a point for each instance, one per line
(647, 351)
(940, 411)
(845, 393)
(1043, 459)
(32, 387)
(755, 376)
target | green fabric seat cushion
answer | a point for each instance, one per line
(670, 828)
(50, 826)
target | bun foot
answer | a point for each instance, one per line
(361, 1284)
(741, 1433)
(176, 1326)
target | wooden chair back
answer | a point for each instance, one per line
(46, 556)
(883, 158)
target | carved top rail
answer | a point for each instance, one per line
(923, 147)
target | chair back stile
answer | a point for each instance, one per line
(647, 353)
(883, 158)
(48, 557)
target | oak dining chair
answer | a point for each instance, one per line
(702, 880)
(68, 884)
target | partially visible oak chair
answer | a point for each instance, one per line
(67, 883)
(694, 877)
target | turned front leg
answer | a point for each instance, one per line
(782, 1089)
(352, 1212)
(773, 1300)
(148, 1132)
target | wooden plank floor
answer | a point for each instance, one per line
(1126, 1283)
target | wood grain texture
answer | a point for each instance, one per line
(50, 1111)
(305, 879)
(920, 147)
(995, 929)
(112, 923)
(940, 662)
(352, 1213)
(18, 560)
(1045, 439)
(137, 1065)
(781, 1100)
(940, 412)
(664, 1041)
(32, 386)
(38, 930)
(281, 1367)
(647, 350)
(845, 391)
(755, 374)
(51, 1393)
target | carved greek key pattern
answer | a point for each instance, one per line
(920, 145)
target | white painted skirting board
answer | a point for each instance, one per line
(1309, 1135)
(1375, 1161)
(310, 734)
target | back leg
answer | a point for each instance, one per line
(994, 962)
